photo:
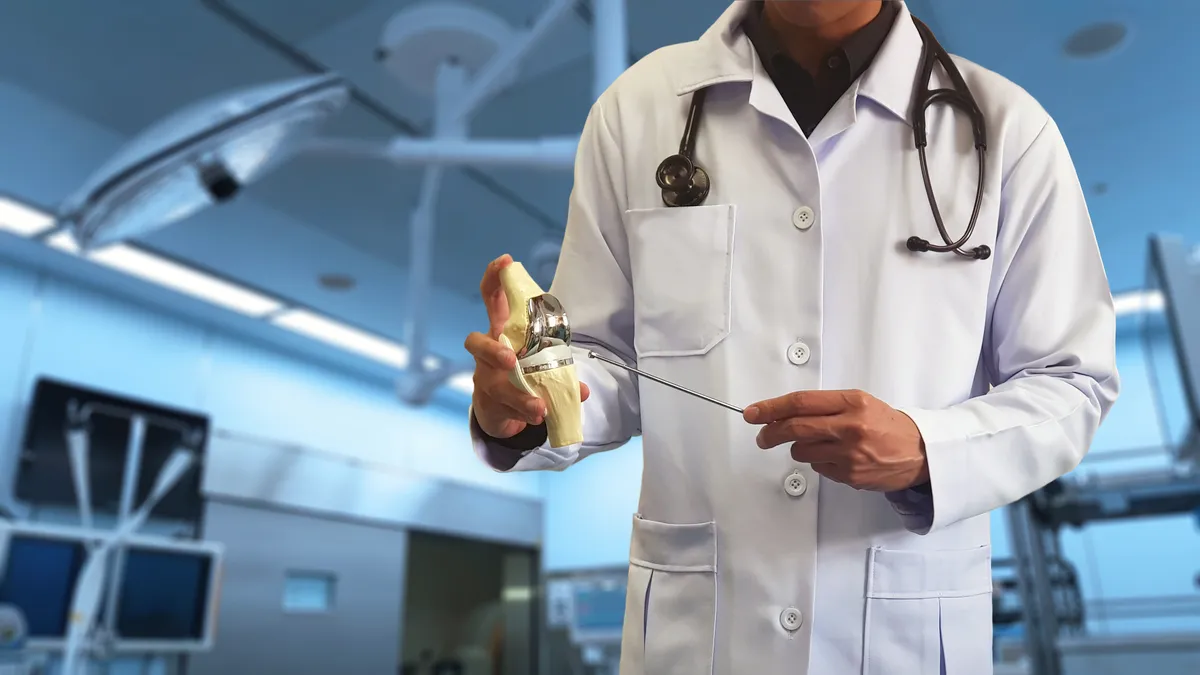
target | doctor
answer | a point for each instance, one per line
(896, 392)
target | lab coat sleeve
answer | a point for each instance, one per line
(593, 283)
(1049, 352)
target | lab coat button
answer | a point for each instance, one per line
(799, 353)
(803, 218)
(791, 619)
(795, 484)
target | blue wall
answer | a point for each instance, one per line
(56, 328)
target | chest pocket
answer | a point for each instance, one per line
(682, 265)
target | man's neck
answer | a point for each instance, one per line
(824, 26)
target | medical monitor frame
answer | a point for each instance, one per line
(109, 614)
(11, 533)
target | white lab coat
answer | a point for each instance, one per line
(794, 276)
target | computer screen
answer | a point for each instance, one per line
(44, 472)
(164, 595)
(599, 607)
(38, 577)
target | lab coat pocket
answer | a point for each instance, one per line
(670, 611)
(926, 608)
(681, 260)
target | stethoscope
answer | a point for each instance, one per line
(685, 183)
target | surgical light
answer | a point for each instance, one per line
(202, 155)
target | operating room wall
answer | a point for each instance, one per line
(589, 509)
(280, 509)
(55, 328)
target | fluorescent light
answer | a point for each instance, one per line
(464, 382)
(340, 335)
(22, 219)
(517, 594)
(150, 267)
(1137, 302)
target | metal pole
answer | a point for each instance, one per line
(611, 42)
(420, 269)
(1037, 601)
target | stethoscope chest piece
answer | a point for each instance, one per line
(682, 182)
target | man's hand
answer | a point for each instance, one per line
(501, 409)
(847, 436)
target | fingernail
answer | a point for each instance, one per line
(750, 414)
(758, 440)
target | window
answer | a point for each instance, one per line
(308, 592)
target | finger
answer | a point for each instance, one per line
(491, 276)
(833, 472)
(817, 453)
(490, 352)
(584, 392)
(497, 425)
(804, 404)
(496, 386)
(501, 407)
(492, 292)
(797, 429)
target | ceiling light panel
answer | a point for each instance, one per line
(163, 272)
(342, 336)
(23, 220)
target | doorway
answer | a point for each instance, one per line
(470, 608)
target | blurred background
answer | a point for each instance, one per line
(252, 368)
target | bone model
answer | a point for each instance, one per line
(545, 368)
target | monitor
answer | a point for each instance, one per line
(167, 596)
(598, 609)
(44, 471)
(38, 571)
(164, 592)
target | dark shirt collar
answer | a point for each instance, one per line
(858, 51)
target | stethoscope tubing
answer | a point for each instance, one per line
(684, 183)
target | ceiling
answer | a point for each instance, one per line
(121, 65)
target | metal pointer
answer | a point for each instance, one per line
(659, 380)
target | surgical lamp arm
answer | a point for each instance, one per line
(85, 602)
(551, 153)
(78, 448)
(487, 83)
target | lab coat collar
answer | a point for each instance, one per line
(724, 54)
(891, 79)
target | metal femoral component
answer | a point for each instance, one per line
(548, 325)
